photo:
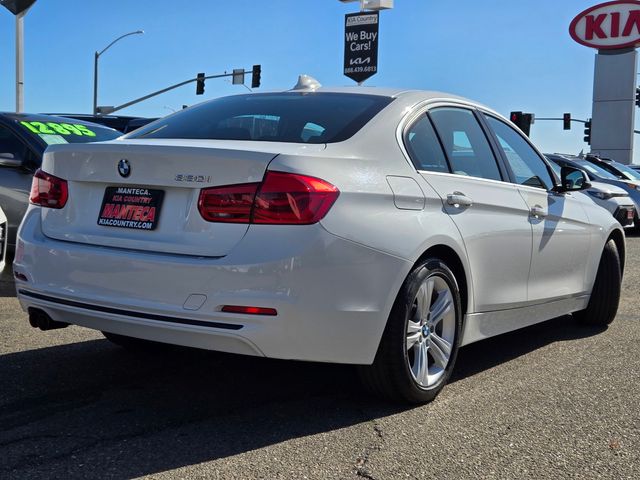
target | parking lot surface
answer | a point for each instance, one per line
(556, 400)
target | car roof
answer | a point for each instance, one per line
(410, 97)
(40, 117)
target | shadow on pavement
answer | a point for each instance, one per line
(7, 287)
(93, 410)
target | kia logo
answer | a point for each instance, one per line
(124, 169)
(610, 25)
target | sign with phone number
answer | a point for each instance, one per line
(55, 128)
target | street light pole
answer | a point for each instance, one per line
(95, 67)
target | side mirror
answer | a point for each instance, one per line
(10, 160)
(573, 180)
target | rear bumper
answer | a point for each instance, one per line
(332, 296)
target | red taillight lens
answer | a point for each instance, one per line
(231, 204)
(48, 191)
(282, 199)
(287, 198)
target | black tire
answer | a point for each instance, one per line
(390, 374)
(605, 295)
(130, 343)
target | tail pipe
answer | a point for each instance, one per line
(40, 319)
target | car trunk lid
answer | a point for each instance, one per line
(108, 206)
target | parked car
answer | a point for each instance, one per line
(408, 224)
(635, 167)
(122, 123)
(3, 239)
(23, 139)
(620, 170)
(596, 172)
(612, 198)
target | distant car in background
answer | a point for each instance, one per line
(122, 123)
(3, 239)
(635, 167)
(620, 170)
(598, 174)
(23, 140)
(610, 197)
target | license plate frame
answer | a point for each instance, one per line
(131, 207)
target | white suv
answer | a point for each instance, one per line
(382, 228)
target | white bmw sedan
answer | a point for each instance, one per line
(382, 228)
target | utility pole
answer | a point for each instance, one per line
(20, 61)
(19, 8)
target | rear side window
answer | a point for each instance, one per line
(424, 148)
(273, 117)
(465, 144)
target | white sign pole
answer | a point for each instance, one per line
(20, 62)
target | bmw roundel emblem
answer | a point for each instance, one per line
(124, 169)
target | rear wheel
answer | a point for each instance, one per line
(130, 343)
(605, 296)
(420, 342)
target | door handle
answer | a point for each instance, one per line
(538, 212)
(459, 200)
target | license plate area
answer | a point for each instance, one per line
(136, 208)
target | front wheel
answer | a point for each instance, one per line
(420, 342)
(605, 295)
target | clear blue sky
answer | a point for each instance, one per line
(510, 55)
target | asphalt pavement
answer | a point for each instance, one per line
(555, 400)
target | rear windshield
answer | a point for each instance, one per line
(271, 117)
(65, 130)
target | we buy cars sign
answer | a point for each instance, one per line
(608, 26)
(361, 45)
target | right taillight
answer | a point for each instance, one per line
(48, 191)
(281, 199)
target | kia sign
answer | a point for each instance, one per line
(361, 45)
(609, 25)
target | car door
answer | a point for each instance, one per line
(457, 161)
(15, 182)
(559, 223)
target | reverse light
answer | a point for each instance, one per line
(281, 199)
(48, 191)
(249, 310)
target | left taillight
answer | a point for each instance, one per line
(48, 191)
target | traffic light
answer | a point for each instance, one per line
(566, 121)
(200, 84)
(638, 96)
(255, 76)
(587, 131)
(523, 121)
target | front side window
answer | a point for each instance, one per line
(11, 147)
(274, 117)
(527, 166)
(464, 142)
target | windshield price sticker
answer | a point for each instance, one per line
(127, 207)
(55, 128)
